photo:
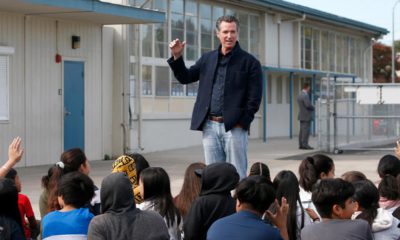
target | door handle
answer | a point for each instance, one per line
(66, 113)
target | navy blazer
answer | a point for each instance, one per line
(243, 86)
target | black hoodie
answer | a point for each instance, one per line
(121, 219)
(215, 200)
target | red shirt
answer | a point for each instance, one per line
(25, 209)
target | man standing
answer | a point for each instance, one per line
(305, 116)
(229, 94)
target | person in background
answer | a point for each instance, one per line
(75, 190)
(120, 219)
(305, 116)
(190, 189)
(10, 218)
(29, 224)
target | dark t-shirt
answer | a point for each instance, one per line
(337, 229)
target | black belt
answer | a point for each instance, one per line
(219, 119)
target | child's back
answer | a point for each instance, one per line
(335, 229)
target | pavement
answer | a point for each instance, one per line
(279, 154)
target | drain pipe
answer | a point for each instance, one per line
(139, 80)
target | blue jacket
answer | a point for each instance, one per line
(243, 86)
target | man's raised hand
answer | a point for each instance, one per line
(176, 47)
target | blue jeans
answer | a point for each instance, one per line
(221, 146)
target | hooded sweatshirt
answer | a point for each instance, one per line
(385, 226)
(215, 200)
(121, 219)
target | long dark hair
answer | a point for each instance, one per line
(367, 197)
(70, 161)
(388, 165)
(9, 201)
(140, 162)
(389, 187)
(157, 190)
(311, 168)
(286, 185)
(260, 169)
(190, 188)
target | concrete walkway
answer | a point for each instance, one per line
(176, 161)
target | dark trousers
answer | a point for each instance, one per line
(304, 134)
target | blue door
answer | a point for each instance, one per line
(74, 105)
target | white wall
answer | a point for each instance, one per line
(36, 105)
(12, 35)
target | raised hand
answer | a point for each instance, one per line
(279, 219)
(397, 149)
(176, 47)
(15, 151)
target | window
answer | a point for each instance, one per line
(146, 80)
(146, 38)
(346, 54)
(279, 89)
(243, 31)
(177, 22)
(162, 81)
(176, 87)
(191, 30)
(191, 89)
(316, 52)
(4, 87)
(307, 47)
(217, 12)
(332, 57)
(205, 28)
(269, 90)
(325, 51)
(255, 35)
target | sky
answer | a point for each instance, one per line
(375, 12)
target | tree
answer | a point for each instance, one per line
(382, 62)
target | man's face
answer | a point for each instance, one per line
(227, 35)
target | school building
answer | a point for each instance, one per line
(127, 98)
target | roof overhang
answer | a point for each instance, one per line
(322, 16)
(92, 11)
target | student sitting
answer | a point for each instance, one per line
(311, 170)
(353, 176)
(215, 200)
(155, 189)
(190, 189)
(333, 200)
(75, 190)
(254, 195)
(10, 218)
(121, 220)
(384, 225)
(286, 185)
(31, 230)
